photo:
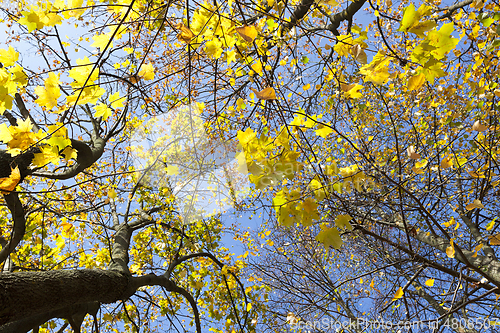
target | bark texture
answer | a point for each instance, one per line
(26, 294)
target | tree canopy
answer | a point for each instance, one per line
(140, 136)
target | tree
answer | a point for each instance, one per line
(370, 132)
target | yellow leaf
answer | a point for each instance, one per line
(450, 250)
(415, 82)
(172, 170)
(102, 110)
(249, 307)
(8, 184)
(8, 57)
(429, 282)
(112, 193)
(399, 294)
(102, 40)
(342, 221)
(491, 224)
(447, 162)
(69, 153)
(421, 164)
(49, 94)
(329, 237)
(147, 72)
(351, 90)
(265, 94)
(323, 131)
(116, 101)
(377, 71)
(475, 204)
(248, 33)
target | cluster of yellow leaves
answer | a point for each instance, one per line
(19, 138)
(85, 89)
(11, 77)
(37, 17)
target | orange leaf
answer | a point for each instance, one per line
(479, 127)
(265, 94)
(495, 239)
(185, 35)
(248, 33)
(8, 184)
(475, 204)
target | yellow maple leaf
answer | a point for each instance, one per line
(351, 90)
(416, 81)
(8, 184)
(429, 282)
(102, 40)
(116, 101)
(49, 154)
(69, 153)
(399, 294)
(102, 110)
(147, 72)
(48, 95)
(8, 57)
(248, 33)
(32, 19)
(377, 71)
(329, 237)
(265, 94)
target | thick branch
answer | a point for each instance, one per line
(169, 285)
(27, 324)
(16, 209)
(85, 158)
(345, 15)
(298, 14)
(27, 294)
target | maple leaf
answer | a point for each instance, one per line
(416, 81)
(342, 221)
(329, 237)
(323, 130)
(32, 20)
(49, 154)
(351, 90)
(147, 71)
(377, 71)
(5, 99)
(116, 101)
(49, 94)
(102, 40)
(8, 184)
(429, 282)
(102, 110)
(69, 153)
(8, 57)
